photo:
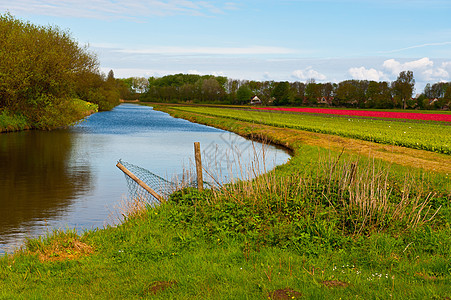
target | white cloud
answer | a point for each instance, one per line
(218, 73)
(395, 67)
(308, 73)
(366, 74)
(194, 72)
(438, 74)
(106, 9)
(446, 65)
(423, 69)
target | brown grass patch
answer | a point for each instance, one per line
(286, 293)
(334, 283)
(425, 276)
(60, 250)
(159, 286)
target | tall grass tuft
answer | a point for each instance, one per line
(362, 196)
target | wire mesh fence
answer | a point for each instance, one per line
(160, 188)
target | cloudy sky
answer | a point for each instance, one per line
(294, 40)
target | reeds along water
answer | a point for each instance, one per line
(365, 193)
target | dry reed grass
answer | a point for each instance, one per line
(58, 246)
(127, 208)
(64, 250)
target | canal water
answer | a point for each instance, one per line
(68, 179)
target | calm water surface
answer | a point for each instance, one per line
(68, 178)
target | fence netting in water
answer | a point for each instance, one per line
(160, 185)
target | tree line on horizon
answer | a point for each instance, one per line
(48, 78)
(348, 93)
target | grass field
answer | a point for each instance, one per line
(426, 135)
(332, 223)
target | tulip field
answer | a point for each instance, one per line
(431, 132)
(368, 113)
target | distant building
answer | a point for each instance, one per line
(255, 100)
(325, 100)
(431, 101)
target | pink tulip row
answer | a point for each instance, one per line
(365, 113)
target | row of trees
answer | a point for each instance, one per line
(46, 76)
(348, 93)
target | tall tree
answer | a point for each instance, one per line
(312, 91)
(297, 90)
(378, 95)
(110, 77)
(281, 93)
(403, 87)
(244, 94)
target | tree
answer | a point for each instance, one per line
(297, 91)
(266, 91)
(348, 93)
(244, 94)
(312, 92)
(110, 77)
(281, 93)
(212, 90)
(403, 87)
(378, 95)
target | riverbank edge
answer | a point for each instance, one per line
(15, 123)
(293, 140)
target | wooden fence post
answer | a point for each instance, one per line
(197, 155)
(140, 182)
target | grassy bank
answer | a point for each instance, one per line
(65, 115)
(329, 224)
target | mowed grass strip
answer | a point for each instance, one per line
(430, 136)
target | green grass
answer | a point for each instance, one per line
(367, 229)
(431, 136)
(134, 257)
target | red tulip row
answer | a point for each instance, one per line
(365, 113)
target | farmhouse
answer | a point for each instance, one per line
(255, 100)
(431, 101)
(325, 100)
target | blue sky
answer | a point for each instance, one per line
(294, 40)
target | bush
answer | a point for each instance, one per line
(41, 72)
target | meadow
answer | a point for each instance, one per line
(329, 224)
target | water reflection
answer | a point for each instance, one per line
(35, 180)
